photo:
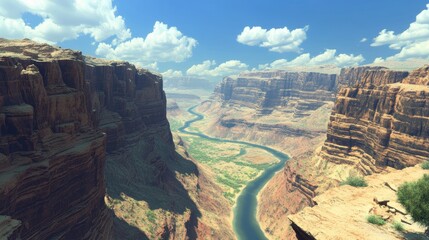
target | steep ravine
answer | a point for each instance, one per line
(370, 102)
(245, 223)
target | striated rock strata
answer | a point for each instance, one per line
(381, 124)
(51, 149)
(286, 110)
(379, 121)
(68, 122)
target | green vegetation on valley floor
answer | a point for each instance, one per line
(233, 164)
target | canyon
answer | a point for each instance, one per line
(378, 122)
(86, 153)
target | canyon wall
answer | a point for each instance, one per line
(265, 90)
(285, 110)
(380, 120)
(85, 145)
(52, 152)
(381, 124)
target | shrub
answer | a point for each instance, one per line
(414, 196)
(355, 181)
(425, 165)
(375, 219)
(398, 226)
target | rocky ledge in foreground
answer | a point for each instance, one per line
(341, 212)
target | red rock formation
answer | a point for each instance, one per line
(368, 77)
(380, 121)
(276, 88)
(376, 126)
(285, 110)
(52, 154)
(67, 123)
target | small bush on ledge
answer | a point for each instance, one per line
(398, 226)
(375, 219)
(425, 165)
(355, 181)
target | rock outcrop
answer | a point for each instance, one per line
(265, 90)
(379, 121)
(73, 125)
(342, 212)
(52, 151)
(368, 77)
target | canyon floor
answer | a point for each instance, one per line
(232, 165)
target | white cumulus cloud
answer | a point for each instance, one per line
(170, 73)
(363, 40)
(276, 39)
(208, 68)
(329, 57)
(163, 44)
(411, 43)
(62, 20)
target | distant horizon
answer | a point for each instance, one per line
(217, 39)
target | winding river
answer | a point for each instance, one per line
(245, 224)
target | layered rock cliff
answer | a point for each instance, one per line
(265, 90)
(73, 125)
(286, 110)
(52, 151)
(381, 121)
(378, 121)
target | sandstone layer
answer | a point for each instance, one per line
(379, 120)
(285, 110)
(73, 125)
(52, 151)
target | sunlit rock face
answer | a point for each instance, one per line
(277, 108)
(272, 89)
(60, 112)
(381, 120)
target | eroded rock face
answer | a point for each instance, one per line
(368, 77)
(286, 110)
(381, 124)
(277, 88)
(59, 114)
(379, 121)
(79, 133)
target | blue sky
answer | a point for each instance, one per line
(216, 38)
